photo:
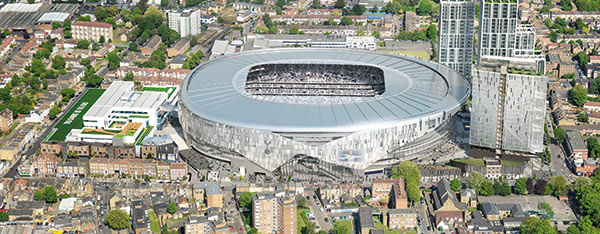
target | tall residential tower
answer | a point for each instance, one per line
(456, 26)
(508, 88)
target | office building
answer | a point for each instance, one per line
(456, 27)
(185, 21)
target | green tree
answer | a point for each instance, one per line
(376, 34)
(3, 216)
(302, 202)
(85, 62)
(246, 200)
(358, 9)
(117, 219)
(38, 195)
(582, 58)
(133, 47)
(54, 111)
(425, 8)
(172, 208)
(520, 186)
(309, 228)
(432, 32)
(533, 225)
(578, 95)
(557, 185)
(560, 134)
(565, 5)
(339, 4)
(129, 76)
(50, 195)
(113, 60)
(543, 206)
(502, 188)
(293, 29)
(64, 196)
(253, 230)
(83, 44)
(475, 180)
(58, 62)
(164, 3)
(407, 170)
(486, 188)
(413, 192)
(455, 184)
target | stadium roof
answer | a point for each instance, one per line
(414, 88)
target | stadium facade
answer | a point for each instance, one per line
(342, 107)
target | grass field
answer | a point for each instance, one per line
(154, 225)
(168, 90)
(472, 161)
(415, 53)
(64, 126)
(347, 224)
(301, 219)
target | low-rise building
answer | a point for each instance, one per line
(85, 30)
(179, 47)
(151, 45)
(576, 148)
(6, 119)
(402, 219)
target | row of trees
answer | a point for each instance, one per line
(522, 186)
(412, 179)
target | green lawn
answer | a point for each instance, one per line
(63, 127)
(168, 90)
(144, 134)
(511, 163)
(346, 223)
(154, 225)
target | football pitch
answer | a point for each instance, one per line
(73, 119)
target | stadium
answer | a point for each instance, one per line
(335, 109)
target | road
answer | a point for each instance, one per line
(558, 164)
(316, 210)
(12, 172)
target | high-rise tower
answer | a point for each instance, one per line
(456, 28)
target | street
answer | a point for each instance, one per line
(316, 210)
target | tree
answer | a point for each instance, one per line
(408, 171)
(578, 95)
(58, 62)
(117, 219)
(38, 195)
(83, 44)
(560, 134)
(339, 4)
(557, 185)
(309, 228)
(376, 34)
(345, 21)
(3, 216)
(253, 230)
(54, 111)
(413, 192)
(113, 60)
(358, 9)
(164, 3)
(432, 32)
(540, 187)
(520, 186)
(425, 8)
(533, 225)
(475, 180)
(293, 29)
(246, 200)
(565, 5)
(316, 4)
(172, 208)
(128, 77)
(501, 188)
(133, 46)
(529, 186)
(582, 58)
(50, 195)
(486, 188)
(102, 39)
(543, 206)
(64, 196)
(85, 62)
(455, 184)
(302, 202)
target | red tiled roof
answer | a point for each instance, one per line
(588, 103)
(92, 24)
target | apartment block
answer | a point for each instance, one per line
(78, 149)
(51, 147)
(6, 120)
(402, 219)
(382, 187)
(99, 149)
(185, 21)
(265, 212)
(84, 30)
(45, 164)
(456, 28)
(209, 193)
(287, 216)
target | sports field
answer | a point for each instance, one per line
(73, 119)
(168, 90)
(414, 53)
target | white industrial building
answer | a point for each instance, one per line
(121, 103)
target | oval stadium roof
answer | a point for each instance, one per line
(414, 88)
